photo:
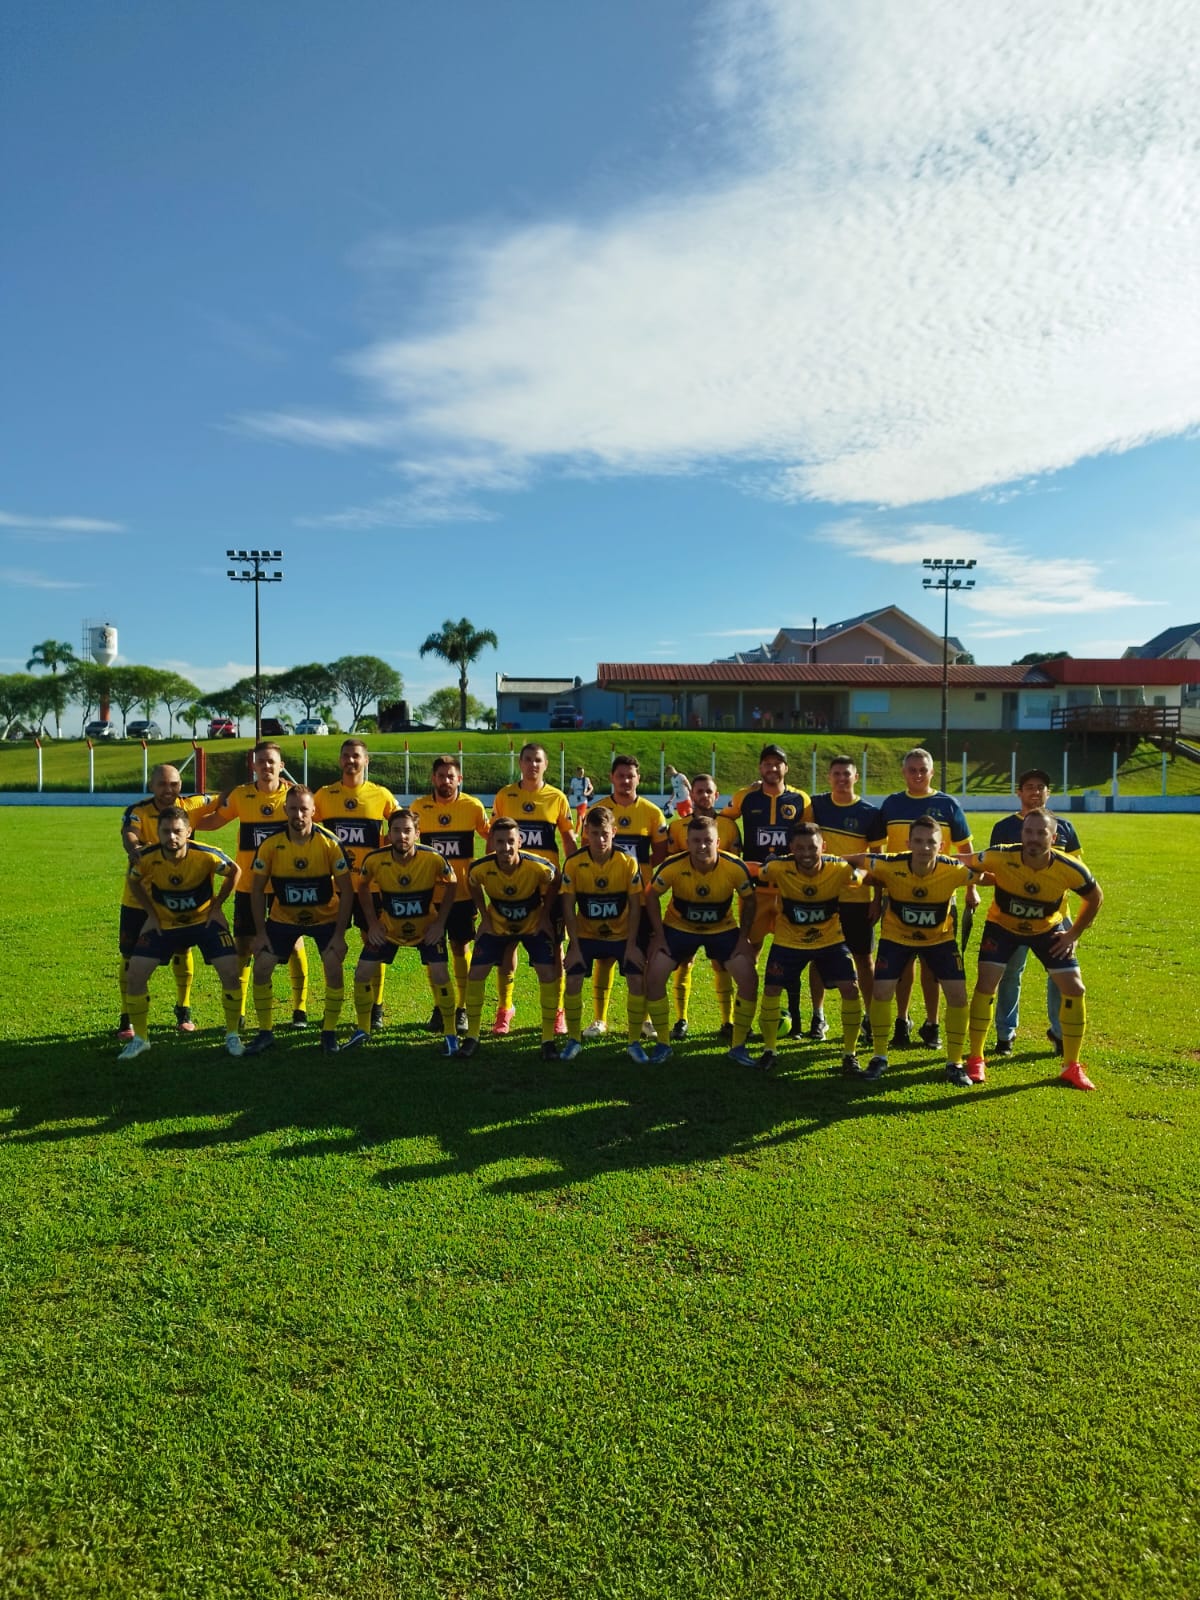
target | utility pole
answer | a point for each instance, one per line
(944, 568)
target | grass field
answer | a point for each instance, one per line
(391, 1326)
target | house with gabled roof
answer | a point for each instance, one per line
(1172, 644)
(885, 636)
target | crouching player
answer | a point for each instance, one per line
(173, 882)
(703, 885)
(808, 929)
(406, 879)
(512, 891)
(307, 873)
(602, 907)
(1032, 880)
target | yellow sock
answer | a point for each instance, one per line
(852, 1015)
(573, 1011)
(377, 983)
(476, 988)
(364, 994)
(334, 1000)
(548, 999)
(231, 1004)
(504, 991)
(298, 974)
(138, 1007)
(660, 1015)
(264, 1004)
(768, 1019)
(603, 976)
(637, 1015)
(244, 982)
(461, 966)
(881, 1024)
(982, 1006)
(723, 985)
(1073, 1019)
(957, 1023)
(743, 1020)
(683, 991)
(184, 967)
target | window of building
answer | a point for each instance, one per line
(981, 694)
(873, 661)
(528, 702)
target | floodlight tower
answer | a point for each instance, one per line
(254, 572)
(945, 581)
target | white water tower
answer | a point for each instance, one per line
(102, 643)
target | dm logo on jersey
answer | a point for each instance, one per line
(181, 902)
(301, 894)
(771, 838)
(596, 910)
(399, 907)
(919, 916)
(806, 914)
(704, 913)
(1029, 910)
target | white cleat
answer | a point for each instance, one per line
(234, 1045)
(136, 1047)
(595, 1030)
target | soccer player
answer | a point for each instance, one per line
(919, 919)
(601, 900)
(307, 875)
(1032, 881)
(812, 892)
(512, 891)
(767, 810)
(919, 798)
(680, 803)
(173, 882)
(1033, 791)
(356, 811)
(542, 813)
(849, 825)
(257, 808)
(580, 790)
(702, 802)
(703, 885)
(139, 831)
(640, 829)
(450, 821)
(398, 888)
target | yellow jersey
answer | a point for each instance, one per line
(919, 909)
(356, 817)
(808, 918)
(142, 818)
(513, 900)
(302, 877)
(602, 891)
(409, 891)
(637, 828)
(450, 828)
(1030, 901)
(182, 891)
(847, 830)
(259, 816)
(542, 814)
(728, 837)
(702, 902)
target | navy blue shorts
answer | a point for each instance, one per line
(133, 920)
(213, 943)
(284, 936)
(893, 960)
(858, 930)
(999, 943)
(832, 961)
(357, 916)
(430, 954)
(684, 947)
(460, 925)
(594, 950)
(490, 948)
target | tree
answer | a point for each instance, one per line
(233, 703)
(360, 679)
(177, 693)
(308, 687)
(444, 707)
(1032, 657)
(460, 643)
(194, 715)
(151, 681)
(125, 691)
(964, 658)
(18, 693)
(87, 686)
(53, 653)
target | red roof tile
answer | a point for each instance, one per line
(614, 674)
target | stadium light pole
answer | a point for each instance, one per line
(254, 572)
(945, 581)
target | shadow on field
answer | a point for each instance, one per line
(599, 1114)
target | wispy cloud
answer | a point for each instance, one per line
(17, 519)
(22, 578)
(951, 248)
(441, 489)
(768, 632)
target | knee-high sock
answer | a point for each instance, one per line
(683, 990)
(231, 1004)
(334, 1000)
(244, 981)
(443, 995)
(264, 1004)
(573, 1011)
(1073, 1018)
(957, 1023)
(377, 983)
(184, 967)
(637, 1015)
(504, 991)
(660, 1015)
(743, 1020)
(982, 1006)
(548, 1000)
(603, 976)
(723, 984)
(459, 959)
(768, 1019)
(363, 996)
(881, 1024)
(138, 1007)
(475, 992)
(298, 975)
(852, 1014)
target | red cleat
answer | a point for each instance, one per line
(560, 1022)
(504, 1019)
(976, 1069)
(1074, 1074)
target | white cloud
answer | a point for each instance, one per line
(952, 247)
(22, 578)
(440, 489)
(16, 519)
(766, 633)
(209, 679)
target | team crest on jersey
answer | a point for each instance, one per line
(176, 880)
(528, 806)
(809, 890)
(1032, 888)
(510, 888)
(602, 883)
(267, 811)
(301, 863)
(919, 894)
(787, 812)
(702, 890)
(623, 822)
(444, 822)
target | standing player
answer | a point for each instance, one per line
(355, 811)
(639, 829)
(398, 888)
(1032, 880)
(580, 790)
(542, 813)
(767, 810)
(601, 900)
(449, 822)
(308, 876)
(849, 825)
(1033, 790)
(680, 803)
(919, 919)
(139, 831)
(703, 885)
(173, 882)
(812, 894)
(257, 808)
(702, 802)
(512, 890)
(919, 798)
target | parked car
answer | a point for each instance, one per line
(564, 715)
(143, 729)
(272, 728)
(313, 727)
(99, 730)
(222, 728)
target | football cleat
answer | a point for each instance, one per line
(680, 1029)
(570, 1050)
(549, 1050)
(376, 1019)
(636, 1053)
(956, 1074)
(648, 1029)
(234, 1045)
(876, 1068)
(725, 1033)
(434, 1024)
(299, 1018)
(741, 1055)
(817, 1029)
(262, 1041)
(125, 1031)
(460, 1020)
(1003, 1047)
(767, 1062)
(136, 1047)
(660, 1053)
(1074, 1075)
(329, 1044)
(450, 1044)
(358, 1037)
(1055, 1041)
(504, 1019)
(901, 1035)
(560, 1022)
(595, 1030)
(467, 1047)
(850, 1067)
(183, 1019)
(930, 1035)
(976, 1069)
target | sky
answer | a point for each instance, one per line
(632, 331)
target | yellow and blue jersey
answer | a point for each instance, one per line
(541, 814)
(702, 901)
(1008, 831)
(142, 817)
(603, 891)
(766, 820)
(303, 877)
(728, 838)
(808, 917)
(181, 891)
(259, 816)
(357, 817)
(409, 891)
(920, 906)
(1030, 900)
(848, 830)
(451, 827)
(899, 811)
(513, 900)
(637, 828)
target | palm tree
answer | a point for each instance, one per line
(460, 643)
(53, 653)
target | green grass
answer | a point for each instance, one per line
(393, 1326)
(118, 766)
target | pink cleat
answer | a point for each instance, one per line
(976, 1069)
(504, 1019)
(1074, 1074)
(560, 1022)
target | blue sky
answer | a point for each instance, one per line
(632, 331)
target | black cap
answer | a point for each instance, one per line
(772, 750)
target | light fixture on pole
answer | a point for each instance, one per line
(254, 572)
(948, 577)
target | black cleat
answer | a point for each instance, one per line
(876, 1068)
(1055, 1041)
(434, 1025)
(549, 1050)
(680, 1030)
(956, 1073)
(931, 1035)
(467, 1048)
(725, 1033)
(376, 1019)
(329, 1044)
(901, 1036)
(850, 1067)
(262, 1041)
(1003, 1047)
(183, 1019)
(818, 1028)
(299, 1018)
(767, 1062)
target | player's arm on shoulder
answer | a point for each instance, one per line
(1091, 898)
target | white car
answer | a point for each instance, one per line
(313, 727)
(99, 730)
